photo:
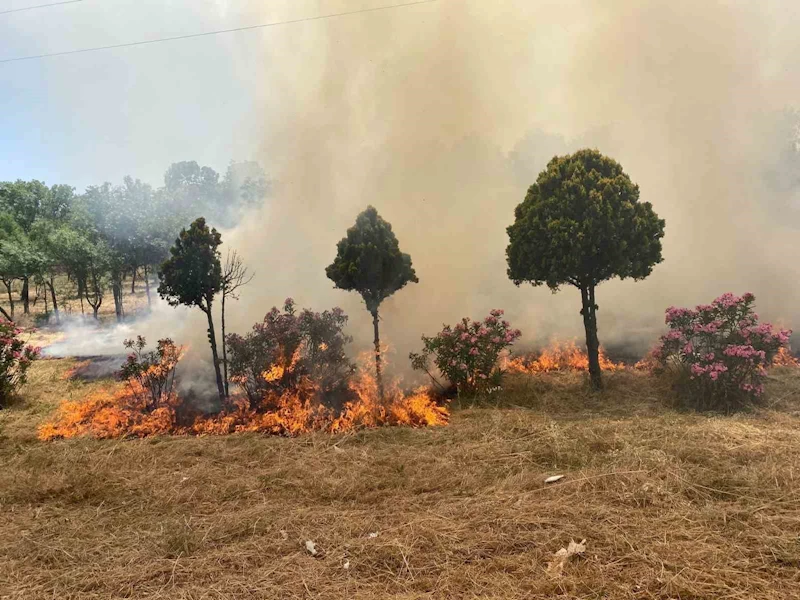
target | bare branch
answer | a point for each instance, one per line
(234, 274)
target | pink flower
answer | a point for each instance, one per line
(473, 351)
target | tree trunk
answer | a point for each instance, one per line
(133, 281)
(46, 312)
(10, 297)
(378, 374)
(212, 339)
(5, 314)
(224, 349)
(53, 295)
(26, 308)
(147, 285)
(81, 289)
(589, 312)
(116, 288)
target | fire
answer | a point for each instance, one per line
(784, 358)
(559, 356)
(111, 413)
(76, 368)
(125, 412)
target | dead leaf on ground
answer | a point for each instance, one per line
(556, 566)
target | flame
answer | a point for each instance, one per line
(118, 412)
(123, 412)
(784, 358)
(75, 369)
(559, 356)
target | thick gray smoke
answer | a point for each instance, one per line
(442, 114)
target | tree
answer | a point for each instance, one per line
(580, 224)
(234, 276)
(192, 276)
(369, 261)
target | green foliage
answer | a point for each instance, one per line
(193, 273)
(27, 201)
(369, 261)
(582, 223)
(18, 257)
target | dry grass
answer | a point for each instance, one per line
(672, 505)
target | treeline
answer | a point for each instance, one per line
(99, 240)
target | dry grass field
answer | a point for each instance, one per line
(671, 505)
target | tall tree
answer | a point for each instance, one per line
(234, 276)
(192, 276)
(369, 261)
(580, 224)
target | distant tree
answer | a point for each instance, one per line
(12, 256)
(580, 224)
(245, 184)
(234, 276)
(97, 268)
(31, 204)
(369, 261)
(192, 276)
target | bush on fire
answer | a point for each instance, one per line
(15, 359)
(151, 375)
(467, 354)
(287, 347)
(720, 351)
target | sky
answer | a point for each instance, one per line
(440, 114)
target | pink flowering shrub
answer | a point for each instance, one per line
(720, 350)
(467, 354)
(287, 347)
(15, 359)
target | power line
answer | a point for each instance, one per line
(217, 32)
(13, 10)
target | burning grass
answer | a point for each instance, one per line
(127, 411)
(671, 505)
(559, 356)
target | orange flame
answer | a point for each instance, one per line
(784, 358)
(123, 412)
(75, 369)
(559, 356)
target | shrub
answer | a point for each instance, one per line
(467, 354)
(15, 359)
(151, 375)
(287, 348)
(720, 351)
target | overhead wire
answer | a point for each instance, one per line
(215, 32)
(24, 8)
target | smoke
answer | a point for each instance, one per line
(442, 114)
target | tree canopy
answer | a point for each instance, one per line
(369, 261)
(582, 223)
(192, 275)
